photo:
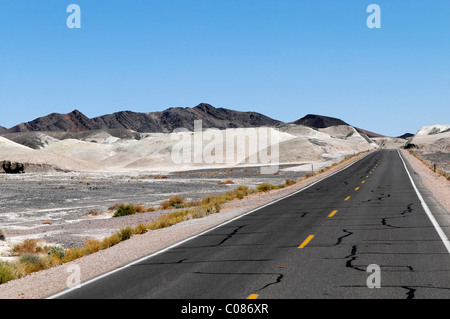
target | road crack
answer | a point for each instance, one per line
(229, 236)
(339, 240)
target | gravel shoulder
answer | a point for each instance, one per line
(51, 281)
(436, 184)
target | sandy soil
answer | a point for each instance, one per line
(438, 185)
(48, 282)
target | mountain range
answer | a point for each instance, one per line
(167, 121)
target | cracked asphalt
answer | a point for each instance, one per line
(297, 248)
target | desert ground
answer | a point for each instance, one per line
(68, 208)
(71, 179)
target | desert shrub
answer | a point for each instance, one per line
(176, 200)
(263, 187)
(192, 203)
(72, 254)
(2, 234)
(126, 233)
(8, 272)
(92, 246)
(240, 194)
(57, 252)
(165, 205)
(289, 182)
(228, 196)
(112, 240)
(170, 219)
(124, 210)
(151, 209)
(140, 229)
(205, 210)
(140, 209)
(243, 189)
(31, 263)
(28, 246)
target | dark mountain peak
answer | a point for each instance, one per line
(405, 136)
(319, 121)
(2, 129)
(74, 121)
(205, 107)
(76, 112)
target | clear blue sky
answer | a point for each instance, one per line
(282, 58)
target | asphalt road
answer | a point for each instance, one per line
(317, 243)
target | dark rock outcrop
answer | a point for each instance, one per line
(8, 167)
(11, 167)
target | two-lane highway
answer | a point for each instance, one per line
(317, 243)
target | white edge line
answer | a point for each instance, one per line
(427, 210)
(195, 236)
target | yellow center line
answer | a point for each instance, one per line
(367, 176)
(332, 213)
(307, 240)
(363, 182)
(253, 296)
(348, 198)
(356, 188)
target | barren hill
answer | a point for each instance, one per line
(321, 121)
(74, 121)
(162, 122)
(173, 118)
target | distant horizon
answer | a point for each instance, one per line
(283, 59)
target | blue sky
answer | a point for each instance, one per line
(283, 58)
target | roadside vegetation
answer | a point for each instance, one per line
(32, 255)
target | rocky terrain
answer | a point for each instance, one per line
(432, 143)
